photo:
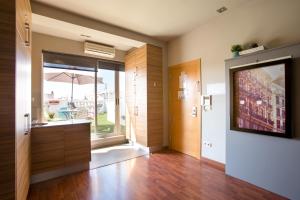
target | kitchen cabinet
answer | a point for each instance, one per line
(15, 95)
(144, 95)
(77, 143)
(56, 146)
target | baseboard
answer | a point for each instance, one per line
(212, 163)
(59, 172)
(157, 148)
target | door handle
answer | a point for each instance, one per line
(117, 101)
(27, 36)
(27, 124)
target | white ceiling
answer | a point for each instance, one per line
(161, 19)
(49, 26)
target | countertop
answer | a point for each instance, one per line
(61, 123)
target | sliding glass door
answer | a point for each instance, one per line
(121, 103)
(78, 87)
(110, 106)
(106, 103)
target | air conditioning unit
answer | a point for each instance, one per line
(99, 49)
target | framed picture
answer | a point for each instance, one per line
(260, 98)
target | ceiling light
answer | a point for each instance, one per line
(222, 9)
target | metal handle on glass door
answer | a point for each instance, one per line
(136, 111)
(27, 36)
(27, 125)
(117, 101)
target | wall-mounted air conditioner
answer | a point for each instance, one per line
(99, 49)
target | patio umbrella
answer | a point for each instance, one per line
(73, 78)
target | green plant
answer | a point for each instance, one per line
(236, 48)
(51, 115)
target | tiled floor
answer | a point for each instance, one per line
(110, 155)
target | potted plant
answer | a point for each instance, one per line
(51, 115)
(235, 49)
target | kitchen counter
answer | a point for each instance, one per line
(61, 123)
(58, 148)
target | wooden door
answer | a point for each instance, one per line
(130, 71)
(136, 95)
(22, 123)
(184, 128)
(23, 98)
(141, 97)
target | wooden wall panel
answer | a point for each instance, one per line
(77, 143)
(7, 99)
(155, 96)
(47, 146)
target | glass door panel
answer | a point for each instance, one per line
(106, 104)
(121, 103)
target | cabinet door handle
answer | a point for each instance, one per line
(27, 35)
(136, 111)
(27, 124)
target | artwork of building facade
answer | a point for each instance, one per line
(260, 99)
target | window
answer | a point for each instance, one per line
(68, 94)
(77, 87)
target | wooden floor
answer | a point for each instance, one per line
(166, 175)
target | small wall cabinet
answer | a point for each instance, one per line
(144, 96)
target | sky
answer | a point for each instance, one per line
(61, 89)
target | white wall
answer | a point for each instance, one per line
(268, 22)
